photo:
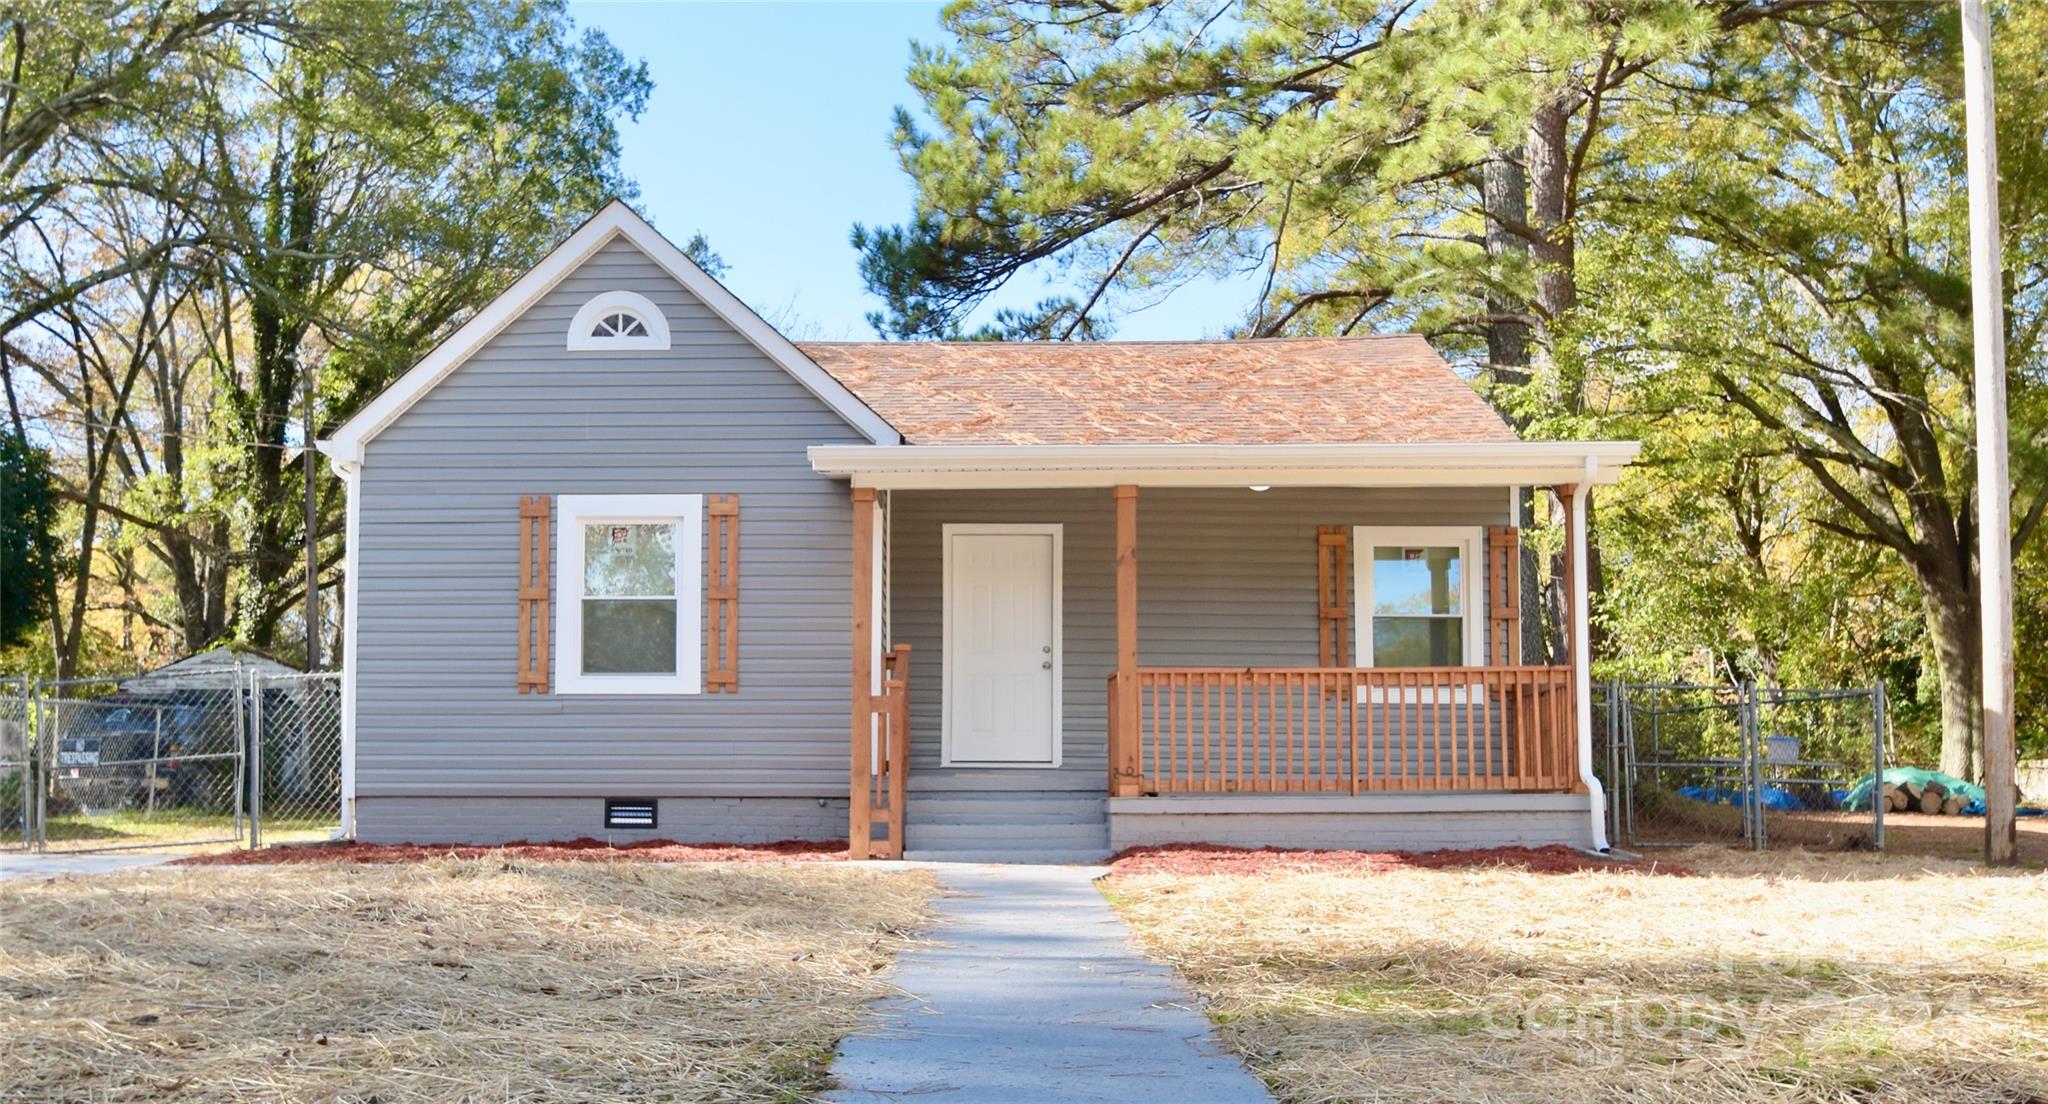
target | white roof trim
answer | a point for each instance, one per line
(1434, 464)
(615, 220)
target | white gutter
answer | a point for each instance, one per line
(1431, 464)
(1582, 656)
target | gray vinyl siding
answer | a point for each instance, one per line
(437, 712)
(1226, 577)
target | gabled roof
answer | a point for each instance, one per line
(1391, 389)
(208, 670)
(616, 220)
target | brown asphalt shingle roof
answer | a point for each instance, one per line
(1391, 388)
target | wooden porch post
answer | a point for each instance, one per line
(1123, 726)
(860, 831)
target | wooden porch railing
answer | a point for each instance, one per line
(876, 816)
(1351, 730)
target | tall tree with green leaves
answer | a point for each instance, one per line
(1366, 158)
(1591, 203)
(408, 160)
(1786, 241)
(1375, 163)
(317, 186)
(30, 562)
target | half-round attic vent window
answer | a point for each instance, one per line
(620, 324)
(618, 320)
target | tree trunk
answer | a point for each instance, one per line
(1504, 196)
(279, 317)
(1503, 189)
(1548, 157)
(1549, 164)
(1951, 609)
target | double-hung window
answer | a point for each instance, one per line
(1418, 596)
(627, 577)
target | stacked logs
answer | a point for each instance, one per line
(1931, 797)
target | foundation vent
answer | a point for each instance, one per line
(629, 812)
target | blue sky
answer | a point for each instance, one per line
(769, 131)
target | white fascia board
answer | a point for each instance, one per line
(1434, 464)
(615, 220)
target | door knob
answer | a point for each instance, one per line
(1047, 665)
(1047, 649)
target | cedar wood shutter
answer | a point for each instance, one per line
(535, 576)
(721, 593)
(1333, 594)
(1504, 588)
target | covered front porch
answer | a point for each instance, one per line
(1076, 647)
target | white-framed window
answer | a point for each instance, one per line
(628, 582)
(618, 320)
(1417, 593)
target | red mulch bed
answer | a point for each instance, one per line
(576, 850)
(1191, 858)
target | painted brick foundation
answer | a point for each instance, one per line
(1390, 822)
(486, 820)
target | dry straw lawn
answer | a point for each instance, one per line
(457, 980)
(1784, 977)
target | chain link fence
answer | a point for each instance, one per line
(1741, 764)
(295, 758)
(228, 756)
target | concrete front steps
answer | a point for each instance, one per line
(1046, 826)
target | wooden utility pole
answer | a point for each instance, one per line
(1994, 488)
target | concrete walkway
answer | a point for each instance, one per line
(13, 866)
(1032, 992)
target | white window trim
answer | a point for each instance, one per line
(1470, 540)
(576, 511)
(1058, 532)
(611, 302)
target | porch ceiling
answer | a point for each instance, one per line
(1432, 464)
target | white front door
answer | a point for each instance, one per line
(1002, 662)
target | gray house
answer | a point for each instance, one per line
(625, 562)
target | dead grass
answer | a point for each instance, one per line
(456, 980)
(1949, 837)
(1787, 976)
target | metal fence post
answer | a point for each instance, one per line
(255, 753)
(1878, 721)
(236, 681)
(156, 754)
(1745, 722)
(1613, 760)
(1757, 757)
(29, 773)
(1628, 734)
(44, 746)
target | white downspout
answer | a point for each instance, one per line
(351, 473)
(1582, 657)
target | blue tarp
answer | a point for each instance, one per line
(1773, 797)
